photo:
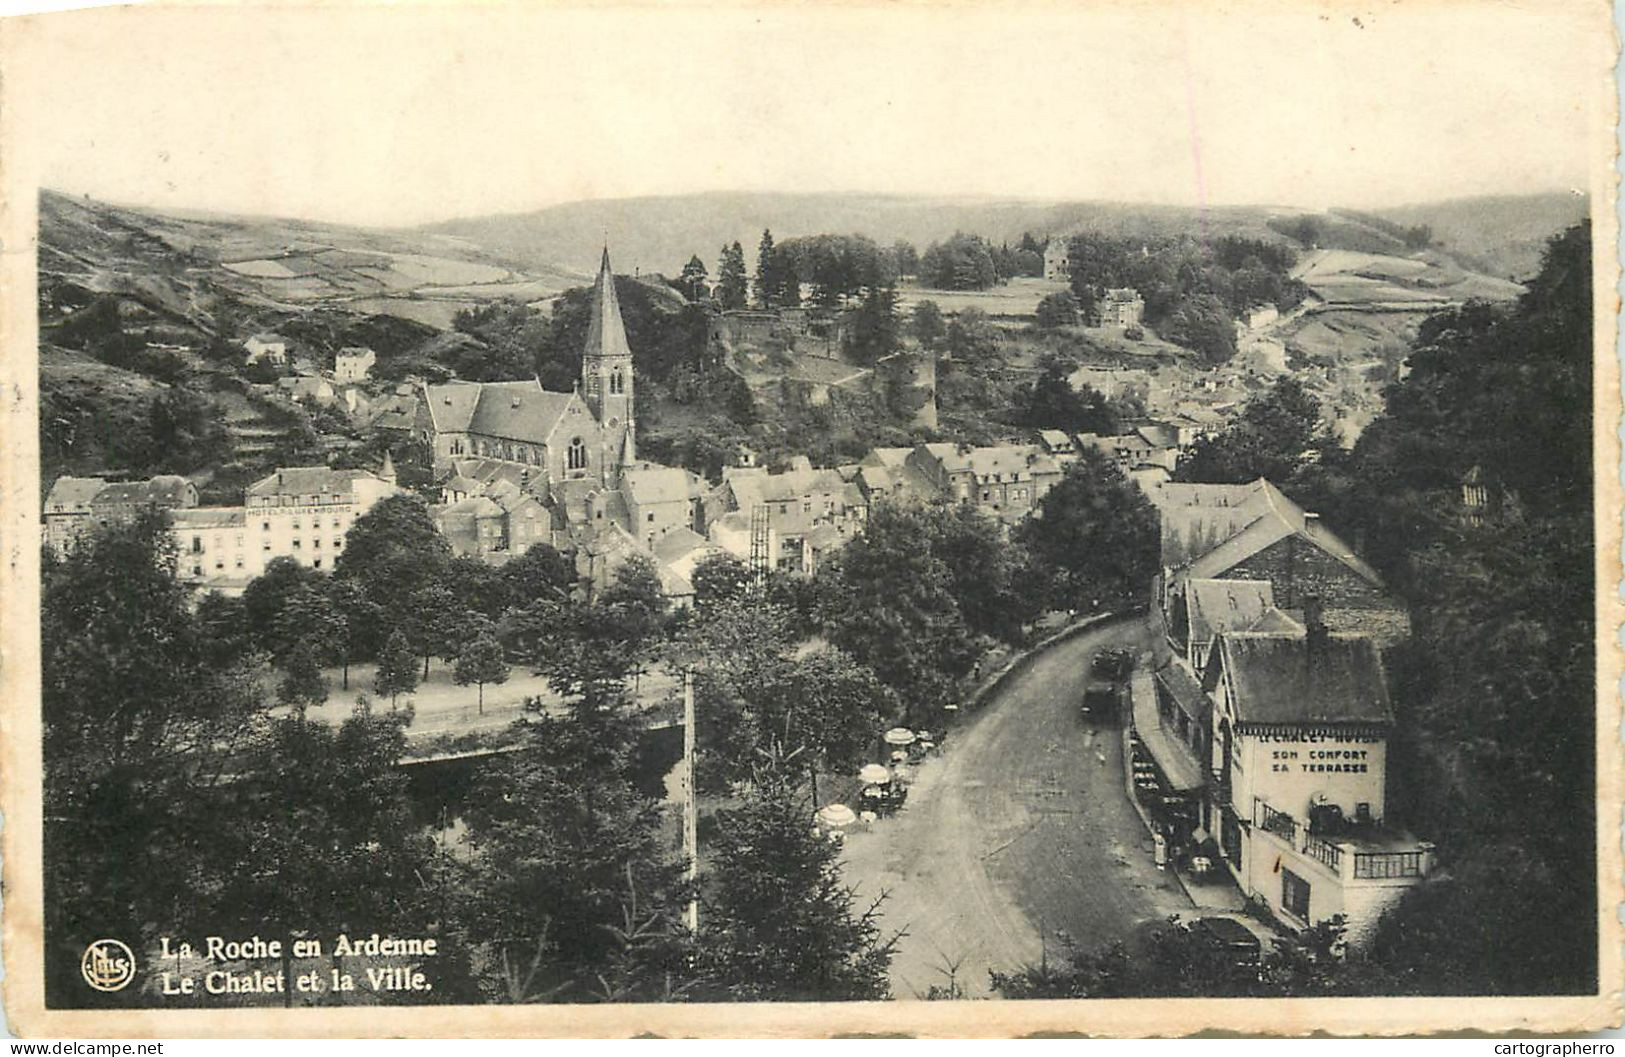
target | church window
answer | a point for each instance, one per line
(577, 455)
(617, 382)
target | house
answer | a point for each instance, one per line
(1254, 532)
(660, 499)
(75, 506)
(799, 514)
(304, 512)
(1121, 307)
(588, 433)
(67, 511)
(475, 527)
(315, 389)
(1213, 607)
(1058, 446)
(1057, 259)
(352, 363)
(678, 553)
(1005, 481)
(213, 548)
(267, 346)
(1300, 722)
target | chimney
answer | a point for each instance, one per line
(1315, 623)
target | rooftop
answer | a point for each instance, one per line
(1294, 680)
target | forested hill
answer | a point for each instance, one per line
(1501, 236)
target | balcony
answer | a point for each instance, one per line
(1324, 852)
(1352, 853)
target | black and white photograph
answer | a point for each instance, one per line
(770, 519)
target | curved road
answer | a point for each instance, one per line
(1017, 838)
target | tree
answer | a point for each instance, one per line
(891, 606)
(1277, 430)
(481, 660)
(353, 615)
(906, 257)
(719, 577)
(266, 600)
(1096, 536)
(963, 262)
(392, 552)
(1201, 323)
(692, 281)
(769, 283)
(733, 285)
(927, 324)
(1052, 403)
(564, 848)
(397, 668)
(1058, 310)
(778, 924)
(139, 726)
(872, 330)
(540, 572)
(302, 685)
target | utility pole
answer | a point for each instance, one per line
(691, 808)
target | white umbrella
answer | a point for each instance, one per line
(874, 774)
(899, 736)
(836, 815)
(899, 756)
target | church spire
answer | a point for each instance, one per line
(606, 335)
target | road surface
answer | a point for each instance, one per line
(1016, 838)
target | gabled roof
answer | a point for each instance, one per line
(163, 490)
(679, 543)
(1274, 621)
(889, 458)
(1278, 518)
(307, 480)
(521, 411)
(1215, 606)
(451, 406)
(74, 491)
(659, 484)
(476, 506)
(1281, 679)
(606, 335)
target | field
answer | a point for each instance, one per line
(1016, 299)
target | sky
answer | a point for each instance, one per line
(413, 114)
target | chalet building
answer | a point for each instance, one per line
(586, 434)
(1299, 752)
(76, 506)
(1254, 532)
(1057, 260)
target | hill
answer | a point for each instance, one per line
(661, 233)
(1503, 235)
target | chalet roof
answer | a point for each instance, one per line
(1215, 606)
(1283, 679)
(606, 334)
(163, 490)
(1278, 518)
(307, 480)
(74, 492)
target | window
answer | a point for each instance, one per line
(266, 546)
(317, 563)
(296, 543)
(239, 561)
(617, 382)
(265, 526)
(1294, 895)
(576, 456)
(197, 544)
(197, 570)
(651, 517)
(317, 543)
(335, 522)
(338, 544)
(296, 524)
(219, 563)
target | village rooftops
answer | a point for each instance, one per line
(73, 493)
(1302, 680)
(208, 517)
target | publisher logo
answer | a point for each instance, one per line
(108, 965)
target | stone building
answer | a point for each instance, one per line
(76, 506)
(586, 434)
(1057, 259)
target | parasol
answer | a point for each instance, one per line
(874, 774)
(836, 815)
(899, 736)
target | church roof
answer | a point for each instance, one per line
(606, 335)
(521, 411)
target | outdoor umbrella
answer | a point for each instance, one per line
(836, 815)
(874, 774)
(899, 736)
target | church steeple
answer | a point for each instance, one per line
(606, 372)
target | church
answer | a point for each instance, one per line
(588, 435)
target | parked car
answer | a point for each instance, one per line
(1099, 700)
(1114, 663)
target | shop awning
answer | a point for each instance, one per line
(1173, 758)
